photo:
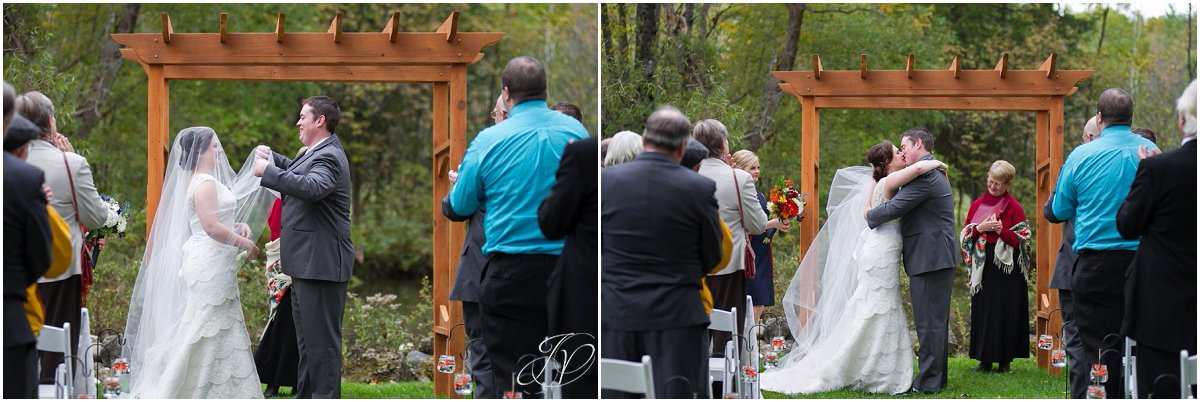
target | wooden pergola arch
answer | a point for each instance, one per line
(391, 56)
(1001, 89)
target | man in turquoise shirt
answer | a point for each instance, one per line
(1091, 187)
(508, 170)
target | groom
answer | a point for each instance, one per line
(315, 248)
(930, 252)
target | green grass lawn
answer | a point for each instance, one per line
(1026, 381)
(358, 390)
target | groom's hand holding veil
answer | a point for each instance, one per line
(262, 157)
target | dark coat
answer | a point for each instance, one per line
(570, 211)
(661, 234)
(1160, 288)
(1065, 264)
(27, 240)
(315, 188)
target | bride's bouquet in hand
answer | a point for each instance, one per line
(785, 203)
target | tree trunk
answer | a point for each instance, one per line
(623, 33)
(89, 111)
(758, 134)
(647, 39)
(606, 32)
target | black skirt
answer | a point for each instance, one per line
(278, 356)
(1000, 313)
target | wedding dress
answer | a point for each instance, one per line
(186, 335)
(860, 341)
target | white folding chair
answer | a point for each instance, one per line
(726, 368)
(620, 375)
(751, 389)
(86, 384)
(551, 389)
(1130, 370)
(57, 340)
(1187, 375)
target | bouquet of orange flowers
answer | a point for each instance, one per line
(785, 202)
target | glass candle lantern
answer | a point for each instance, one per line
(1058, 358)
(1096, 392)
(1099, 373)
(463, 385)
(778, 343)
(445, 364)
(1045, 342)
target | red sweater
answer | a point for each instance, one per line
(1011, 215)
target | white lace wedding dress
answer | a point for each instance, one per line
(210, 354)
(869, 348)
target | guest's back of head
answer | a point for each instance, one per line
(1147, 134)
(38, 108)
(667, 128)
(525, 79)
(569, 110)
(624, 147)
(693, 154)
(713, 135)
(1186, 107)
(20, 132)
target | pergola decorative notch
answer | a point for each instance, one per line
(862, 66)
(956, 66)
(910, 65)
(224, 18)
(816, 67)
(1002, 66)
(279, 23)
(393, 27)
(1050, 66)
(335, 28)
(167, 31)
(450, 27)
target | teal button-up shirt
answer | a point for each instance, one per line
(508, 170)
(1092, 185)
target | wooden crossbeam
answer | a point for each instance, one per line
(847, 83)
(450, 27)
(224, 17)
(167, 31)
(335, 28)
(910, 66)
(1002, 66)
(364, 48)
(956, 66)
(817, 66)
(1050, 65)
(279, 23)
(393, 27)
(862, 66)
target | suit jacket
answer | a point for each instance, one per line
(1065, 264)
(92, 210)
(927, 207)
(661, 235)
(1160, 291)
(27, 240)
(470, 266)
(315, 189)
(727, 199)
(570, 211)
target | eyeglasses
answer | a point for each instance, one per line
(498, 113)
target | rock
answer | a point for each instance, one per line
(416, 358)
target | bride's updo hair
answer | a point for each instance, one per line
(194, 141)
(879, 156)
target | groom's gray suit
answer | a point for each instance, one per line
(316, 251)
(930, 252)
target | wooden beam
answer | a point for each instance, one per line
(279, 23)
(816, 66)
(862, 66)
(955, 66)
(167, 31)
(157, 138)
(1050, 66)
(970, 83)
(393, 27)
(335, 28)
(450, 27)
(910, 65)
(810, 135)
(281, 73)
(224, 17)
(1002, 66)
(363, 48)
(1011, 104)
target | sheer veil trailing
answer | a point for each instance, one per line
(157, 304)
(827, 276)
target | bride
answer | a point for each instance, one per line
(843, 305)
(185, 335)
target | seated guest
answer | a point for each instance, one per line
(1160, 306)
(651, 273)
(999, 302)
(624, 147)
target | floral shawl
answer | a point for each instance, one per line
(974, 253)
(277, 281)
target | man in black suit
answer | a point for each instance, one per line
(661, 235)
(1061, 280)
(315, 250)
(930, 254)
(1160, 287)
(26, 257)
(570, 211)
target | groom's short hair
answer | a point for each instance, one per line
(325, 106)
(666, 128)
(525, 79)
(922, 134)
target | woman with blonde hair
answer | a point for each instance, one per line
(760, 288)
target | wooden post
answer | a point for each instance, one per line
(1044, 248)
(810, 135)
(158, 136)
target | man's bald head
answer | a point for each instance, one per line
(667, 129)
(525, 79)
(1115, 107)
(1091, 130)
